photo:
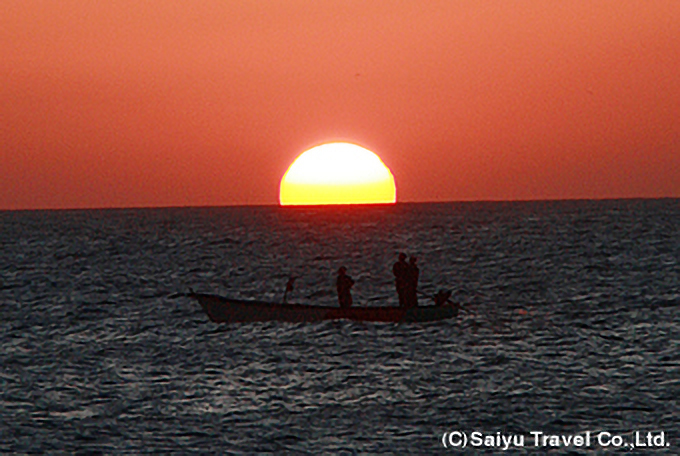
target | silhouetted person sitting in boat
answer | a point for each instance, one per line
(344, 285)
(400, 271)
(412, 275)
(442, 298)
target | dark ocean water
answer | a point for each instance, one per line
(572, 326)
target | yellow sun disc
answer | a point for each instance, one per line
(337, 173)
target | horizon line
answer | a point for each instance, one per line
(278, 205)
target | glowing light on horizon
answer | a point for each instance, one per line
(337, 173)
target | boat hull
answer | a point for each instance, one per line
(224, 310)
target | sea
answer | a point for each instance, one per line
(567, 342)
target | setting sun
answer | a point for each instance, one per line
(337, 173)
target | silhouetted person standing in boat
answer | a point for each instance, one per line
(344, 285)
(412, 275)
(400, 270)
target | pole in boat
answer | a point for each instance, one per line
(289, 288)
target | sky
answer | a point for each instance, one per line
(146, 103)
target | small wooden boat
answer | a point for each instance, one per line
(227, 310)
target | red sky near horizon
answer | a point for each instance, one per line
(178, 103)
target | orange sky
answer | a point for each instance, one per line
(182, 103)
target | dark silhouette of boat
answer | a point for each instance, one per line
(226, 310)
